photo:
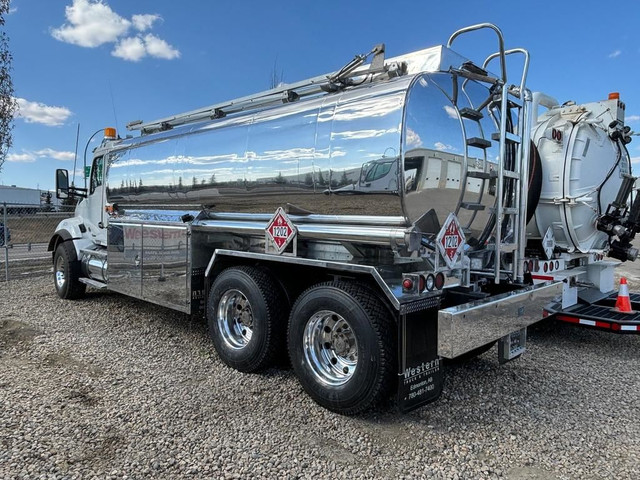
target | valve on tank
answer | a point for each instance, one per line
(622, 223)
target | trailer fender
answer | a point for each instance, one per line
(222, 258)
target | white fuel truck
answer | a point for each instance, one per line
(370, 223)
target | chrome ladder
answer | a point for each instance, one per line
(508, 233)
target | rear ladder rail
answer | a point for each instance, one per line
(513, 209)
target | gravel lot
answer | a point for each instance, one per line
(111, 387)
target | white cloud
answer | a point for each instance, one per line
(156, 47)
(34, 112)
(632, 118)
(136, 48)
(31, 156)
(131, 49)
(413, 139)
(12, 10)
(21, 157)
(91, 23)
(635, 160)
(55, 154)
(452, 112)
(145, 21)
(443, 147)
(615, 53)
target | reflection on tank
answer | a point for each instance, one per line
(398, 149)
(435, 178)
(377, 176)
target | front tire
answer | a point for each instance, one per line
(66, 272)
(342, 346)
(246, 312)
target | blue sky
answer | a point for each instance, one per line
(106, 63)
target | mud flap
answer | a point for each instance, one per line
(420, 372)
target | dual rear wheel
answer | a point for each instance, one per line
(339, 336)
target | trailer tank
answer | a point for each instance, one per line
(394, 149)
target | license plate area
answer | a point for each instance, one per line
(512, 346)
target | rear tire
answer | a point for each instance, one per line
(246, 312)
(342, 346)
(66, 272)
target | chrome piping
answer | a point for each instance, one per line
(369, 220)
(341, 233)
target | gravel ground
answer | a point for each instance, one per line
(111, 387)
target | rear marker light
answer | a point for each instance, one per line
(439, 282)
(430, 282)
(407, 284)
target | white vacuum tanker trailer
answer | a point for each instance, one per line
(372, 222)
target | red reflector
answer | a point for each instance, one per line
(564, 318)
(545, 314)
(551, 266)
(545, 267)
(421, 284)
(407, 284)
(439, 281)
(530, 265)
(615, 326)
(603, 325)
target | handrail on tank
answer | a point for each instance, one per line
(525, 69)
(480, 26)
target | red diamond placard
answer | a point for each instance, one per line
(450, 240)
(280, 231)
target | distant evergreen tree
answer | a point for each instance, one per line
(308, 179)
(280, 179)
(321, 180)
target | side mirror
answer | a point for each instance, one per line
(62, 183)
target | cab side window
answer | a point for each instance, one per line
(96, 174)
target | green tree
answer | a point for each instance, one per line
(8, 103)
(343, 179)
(308, 179)
(321, 180)
(179, 183)
(280, 179)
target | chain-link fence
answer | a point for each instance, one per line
(25, 231)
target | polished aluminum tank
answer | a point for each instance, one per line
(395, 148)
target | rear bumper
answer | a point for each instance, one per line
(471, 325)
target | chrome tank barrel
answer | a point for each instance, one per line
(396, 148)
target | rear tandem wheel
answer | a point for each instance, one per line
(342, 346)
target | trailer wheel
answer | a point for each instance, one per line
(66, 272)
(246, 313)
(342, 346)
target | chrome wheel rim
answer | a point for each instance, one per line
(59, 272)
(235, 319)
(330, 348)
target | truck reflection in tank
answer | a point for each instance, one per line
(377, 176)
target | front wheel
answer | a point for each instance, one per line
(246, 312)
(66, 272)
(342, 346)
